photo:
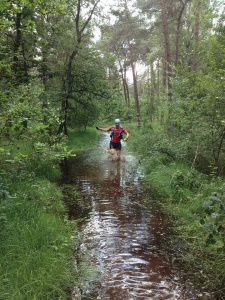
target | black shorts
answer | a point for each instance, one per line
(116, 146)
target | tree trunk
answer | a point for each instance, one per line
(217, 146)
(126, 92)
(152, 93)
(68, 90)
(68, 82)
(126, 86)
(17, 42)
(196, 37)
(167, 54)
(178, 31)
(25, 63)
(136, 99)
(148, 93)
(164, 69)
(124, 82)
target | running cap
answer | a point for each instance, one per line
(117, 121)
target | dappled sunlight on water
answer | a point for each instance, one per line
(124, 238)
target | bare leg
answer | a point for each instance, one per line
(112, 151)
(118, 153)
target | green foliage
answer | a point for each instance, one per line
(190, 180)
(198, 225)
(35, 241)
(36, 44)
(35, 237)
(34, 252)
(214, 220)
(198, 109)
(188, 197)
(90, 90)
(80, 140)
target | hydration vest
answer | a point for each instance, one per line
(120, 134)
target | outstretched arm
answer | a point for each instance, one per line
(102, 129)
(127, 134)
(127, 137)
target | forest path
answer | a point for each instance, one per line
(124, 237)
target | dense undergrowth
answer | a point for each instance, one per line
(39, 244)
(194, 200)
(35, 251)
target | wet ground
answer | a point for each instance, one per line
(124, 232)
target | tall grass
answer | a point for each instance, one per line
(194, 201)
(80, 140)
(35, 247)
(34, 251)
(37, 239)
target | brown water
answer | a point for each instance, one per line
(124, 236)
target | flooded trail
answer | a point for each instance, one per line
(122, 235)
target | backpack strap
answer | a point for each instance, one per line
(112, 131)
(121, 132)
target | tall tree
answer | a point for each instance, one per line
(183, 4)
(168, 61)
(125, 38)
(196, 35)
(81, 26)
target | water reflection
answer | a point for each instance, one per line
(123, 236)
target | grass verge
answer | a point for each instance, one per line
(36, 245)
(80, 140)
(34, 254)
(37, 239)
(196, 204)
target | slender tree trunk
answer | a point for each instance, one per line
(136, 98)
(126, 92)
(148, 93)
(178, 31)
(17, 42)
(196, 37)
(217, 146)
(44, 60)
(68, 90)
(43, 69)
(132, 63)
(124, 82)
(25, 63)
(160, 116)
(167, 54)
(68, 82)
(126, 86)
(164, 74)
(152, 94)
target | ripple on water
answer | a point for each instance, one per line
(123, 237)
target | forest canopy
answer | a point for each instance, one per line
(153, 61)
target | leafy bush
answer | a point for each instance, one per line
(213, 220)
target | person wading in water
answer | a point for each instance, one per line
(116, 136)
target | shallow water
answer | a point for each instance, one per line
(124, 237)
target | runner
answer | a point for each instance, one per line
(115, 137)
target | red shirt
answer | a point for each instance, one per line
(115, 138)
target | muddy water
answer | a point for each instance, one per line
(124, 237)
